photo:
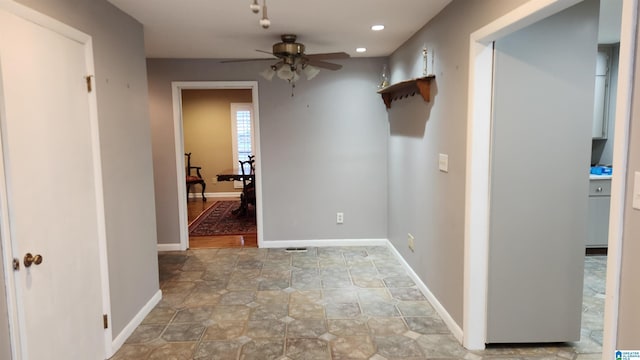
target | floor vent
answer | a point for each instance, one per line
(292, 249)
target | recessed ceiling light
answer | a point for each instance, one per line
(361, 49)
(377, 27)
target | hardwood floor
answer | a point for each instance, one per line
(195, 207)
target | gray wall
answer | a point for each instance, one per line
(629, 311)
(542, 119)
(125, 141)
(322, 150)
(423, 201)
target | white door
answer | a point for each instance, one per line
(50, 189)
(541, 146)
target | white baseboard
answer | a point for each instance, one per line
(455, 329)
(298, 243)
(135, 322)
(274, 244)
(169, 247)
(234, 194)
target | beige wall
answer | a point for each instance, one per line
(206, 116)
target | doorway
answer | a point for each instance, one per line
(218, 134)
(478, 159)
(178, 88)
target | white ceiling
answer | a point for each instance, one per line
(228, 29)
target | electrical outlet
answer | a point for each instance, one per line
(339, 218)
(410, 242)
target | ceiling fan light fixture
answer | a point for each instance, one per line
(265, 22)
(310, 71)
(293, 63)
(255, 8)
(295, 77)
(285, 73)
(268, 73)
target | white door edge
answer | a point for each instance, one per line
(478, 164)
(626, 66)
(7, 247)
(100, 204)
(7, 241)
(176, 90)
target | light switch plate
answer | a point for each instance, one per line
(443, 162)
(636, 191)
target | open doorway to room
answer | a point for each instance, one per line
(217, 126)
(218, 133)
(482, 62)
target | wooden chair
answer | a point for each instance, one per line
(248, 196)
(194, 179)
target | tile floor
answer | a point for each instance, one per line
(326, 303)
(595, 269)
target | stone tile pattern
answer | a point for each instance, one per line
(595, 273)
(326, 303)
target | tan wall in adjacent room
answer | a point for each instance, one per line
(206, 125)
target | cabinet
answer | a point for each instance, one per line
(599, 203)
(601, 95)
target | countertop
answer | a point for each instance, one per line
(599, 177)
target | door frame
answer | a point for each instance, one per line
(176, 93)
(477, 204)
(15, 328)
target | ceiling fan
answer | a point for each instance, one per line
(293, 60)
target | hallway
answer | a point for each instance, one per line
(325, 303)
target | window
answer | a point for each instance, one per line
(241, 134)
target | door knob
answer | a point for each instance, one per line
(32, 259)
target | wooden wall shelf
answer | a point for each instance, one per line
(407, 88)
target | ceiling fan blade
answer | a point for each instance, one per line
(326, 56)
(266, 52)
(323, 64)
(246, 60)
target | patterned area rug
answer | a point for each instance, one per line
(218, 220)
